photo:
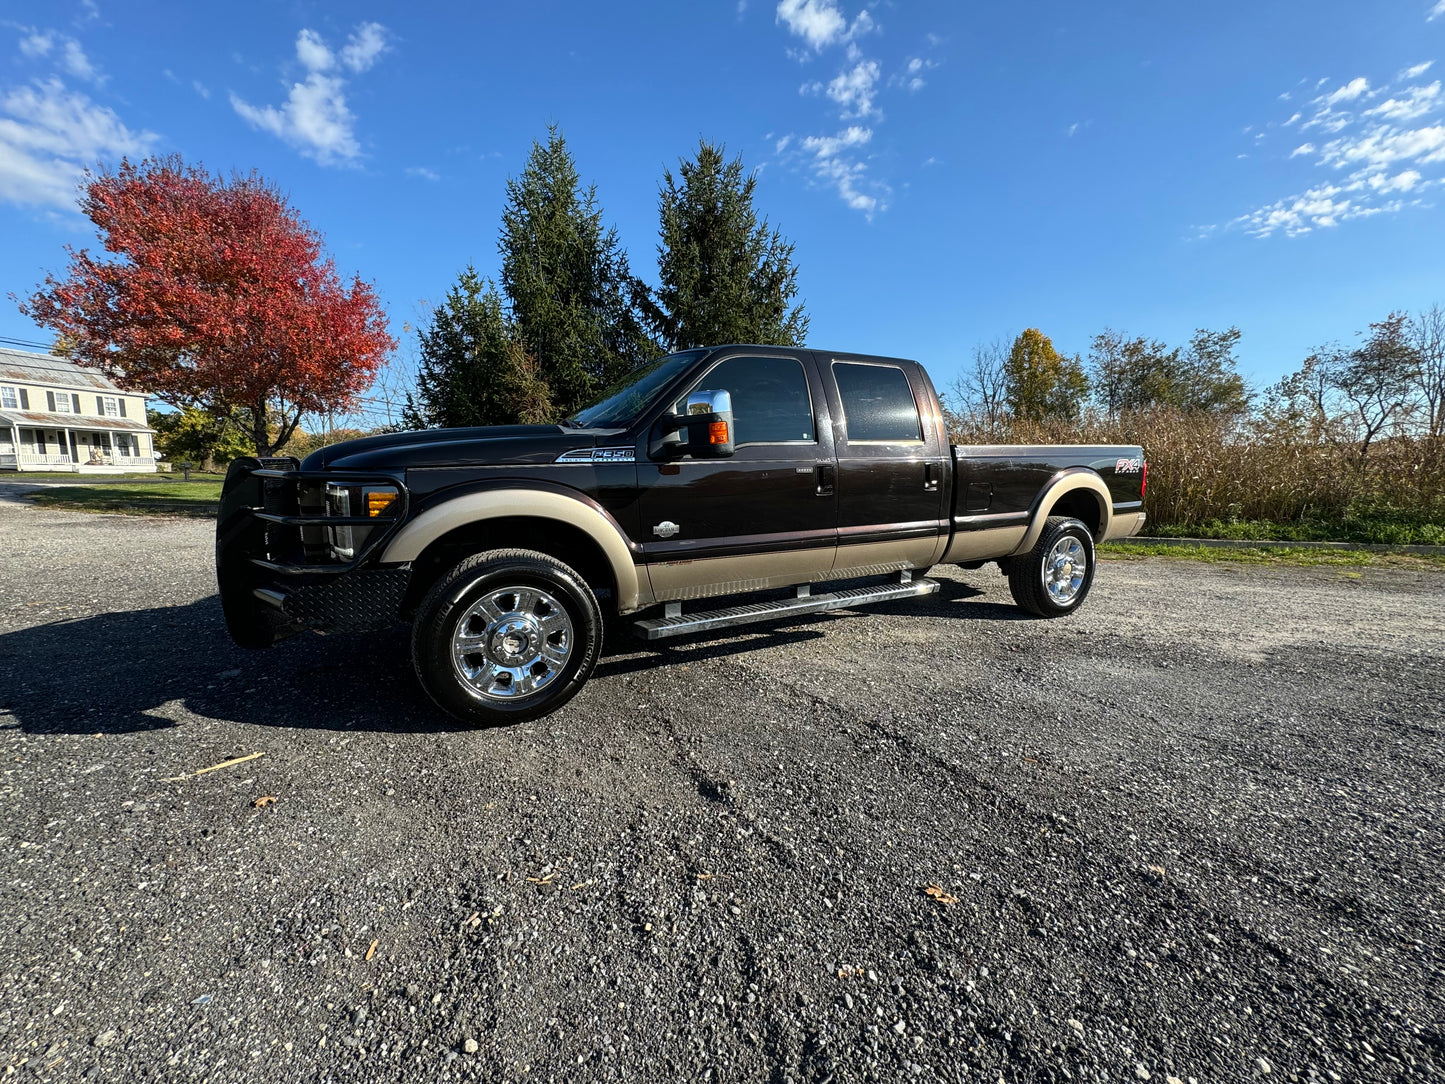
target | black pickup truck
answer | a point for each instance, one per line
(805, 479)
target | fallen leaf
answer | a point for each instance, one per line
(937, 893)
(263, 801)
(1157, 869)
(371, 952)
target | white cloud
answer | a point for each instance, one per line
(818, 22)
(1416, 102)
(312, 52)
(424, 173)
(49, 135)
(200, 88)
(821, 24)
(1073, 128)
(1400, 182)
(1383, 147)
(366, 44)
(1436, 11)
(829, 146)
(1378, 161)
(315, 118)
(911, 76)
(832, 163)
(64, 50)
(36, 44)
(855, 89)
(1350, 91)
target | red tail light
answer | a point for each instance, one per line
(1144, 481)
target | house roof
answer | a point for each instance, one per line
(24, 367)
(45, 420)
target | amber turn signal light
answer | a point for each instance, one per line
(717, 433)
(379, 502)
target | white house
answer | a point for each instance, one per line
(56, 415)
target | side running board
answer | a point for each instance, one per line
(675, 623)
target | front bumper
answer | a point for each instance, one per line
(275, 580)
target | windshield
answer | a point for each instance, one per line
(623, 403)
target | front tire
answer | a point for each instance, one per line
(1053, 578)
(506, 636)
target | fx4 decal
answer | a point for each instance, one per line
(1128, 466)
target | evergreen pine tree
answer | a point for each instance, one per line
(724, 276)
(474, 367)
(567, 280)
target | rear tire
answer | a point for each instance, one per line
(506, 636)
(1053, 578)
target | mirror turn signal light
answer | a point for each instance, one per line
(717, 433)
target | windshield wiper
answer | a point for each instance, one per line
(572, 423)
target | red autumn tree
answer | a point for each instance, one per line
(218, 295)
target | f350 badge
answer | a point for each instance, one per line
(666, 529)
(1128, 466)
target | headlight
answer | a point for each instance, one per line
(338, 503)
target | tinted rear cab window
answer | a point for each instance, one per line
(878, 404)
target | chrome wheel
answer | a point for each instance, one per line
(512, 642)
(1064, 570)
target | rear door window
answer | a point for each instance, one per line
(878, 404)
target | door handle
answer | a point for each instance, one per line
(824, 474)
(930, 477)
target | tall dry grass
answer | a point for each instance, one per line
(1205, 469)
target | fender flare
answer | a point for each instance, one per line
(1060, 485)
(534, 503)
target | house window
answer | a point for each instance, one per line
(112, 407)
(60, 402)
(124, 444)
(8, 399)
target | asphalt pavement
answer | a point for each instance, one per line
(1192, 833)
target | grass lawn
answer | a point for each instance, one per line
(155, 498)
(1273, 556)
(71, 476)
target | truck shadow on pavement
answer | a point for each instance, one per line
(145, 670)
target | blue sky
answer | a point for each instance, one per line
(949, 172)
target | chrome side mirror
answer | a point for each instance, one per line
(709, 422)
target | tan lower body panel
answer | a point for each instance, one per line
(879, 558)
(984, 545)
(1124, 525)
(678, 581)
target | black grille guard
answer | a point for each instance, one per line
(238, 500)
(251, 510)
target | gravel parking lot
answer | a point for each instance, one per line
(1193, 833)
